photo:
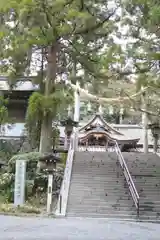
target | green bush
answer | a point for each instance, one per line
(5, 180)
(36, 182)
(64, 158)
(7, 186)
(8, 208)
(32, 159)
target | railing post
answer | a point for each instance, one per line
(128, 177)
(138, 209)
(60, 204)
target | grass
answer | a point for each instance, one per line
(34, 206)
(25, 209)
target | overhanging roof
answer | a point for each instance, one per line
(99, 120)
(99, 125)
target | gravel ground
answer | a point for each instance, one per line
(68, 229)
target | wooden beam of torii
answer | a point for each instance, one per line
(102, 99)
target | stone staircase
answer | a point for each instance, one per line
(97, 190)
(145, 171)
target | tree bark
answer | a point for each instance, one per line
(46, 134)
(155, 146)
(46, 128)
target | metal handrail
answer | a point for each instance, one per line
(129, 180)
(63, 195)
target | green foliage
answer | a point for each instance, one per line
(32, 159)
(55, 136)
(6, 180)
(57, 35)
(150, 10)
(64, 158)
(6, 151)
(7, 186)
(3, 111)
(39, 105)
(35, 106)
(36, 183)
(37, 24)
(26, 209)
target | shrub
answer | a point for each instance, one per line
(64, 158)
(36, 182)
(8, 208)
(32, 159)
(28, 209)
(5, 180)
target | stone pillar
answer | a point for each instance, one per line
(49, 193)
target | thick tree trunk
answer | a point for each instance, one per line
(46, 129)
(155, 145)
(46, 134)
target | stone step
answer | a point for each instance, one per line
(112, 184)
(148, 187)
(148, 199)
(103, 196)
(103, 187)
(92, 204)
(102, 211)
(101, 173)
(101, 178)
(147, 183)
(103, 215)
(105, 193)
(125, 218)
(89, 183)
(109, 184)
(149, 190)
(146, 180)
(146, 174)
(73, 199)
(99, 189)
(143, 169)
(106, 207)
(114, 212)
(108, 199)
(150, 209)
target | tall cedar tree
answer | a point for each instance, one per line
(62, 32)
